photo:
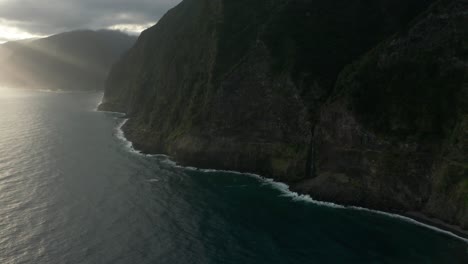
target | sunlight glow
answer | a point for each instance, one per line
(27, 79)
(133, 29)
(8, 33)
(9, 92)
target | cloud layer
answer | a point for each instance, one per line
(46, 17)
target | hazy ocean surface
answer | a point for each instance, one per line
(72, 192)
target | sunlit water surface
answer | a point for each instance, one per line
(72, 192)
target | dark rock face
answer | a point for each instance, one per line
(78, 60)
(395, 129)
(253, 86)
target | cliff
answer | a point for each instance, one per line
(77, 60)
(345, 100)
(394, 133)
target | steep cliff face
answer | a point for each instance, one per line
(238, 84)
(77, 60)
(394, 133)
(254, 86)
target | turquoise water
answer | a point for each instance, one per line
(72, 192)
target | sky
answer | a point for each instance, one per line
(22, 19)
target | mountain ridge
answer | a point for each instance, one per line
(75, 60)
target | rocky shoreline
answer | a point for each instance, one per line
(439, 224)
(298, 187)
(365, 107)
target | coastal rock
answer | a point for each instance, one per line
(396, 124)
(238, 85)
(357, 102)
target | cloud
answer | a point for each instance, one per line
(10, 32)
(39, 18)
(131, 28)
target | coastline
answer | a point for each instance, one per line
(416, 218)
(419, 217)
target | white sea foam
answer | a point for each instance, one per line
(409, 220)
(99, 103)
(296, 197)
(104, 111)
(286, 192)
(282, 187)
(110, 112)
(120, 134)
(127, 143)
(170, 162)
(153, 180)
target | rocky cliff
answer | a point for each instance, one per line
(77, 60)
(359, 102)
(394, 133)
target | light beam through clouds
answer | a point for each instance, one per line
(23, 19)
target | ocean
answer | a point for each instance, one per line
(73, 190)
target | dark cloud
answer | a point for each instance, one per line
(46, 17)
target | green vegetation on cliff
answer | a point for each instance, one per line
(408, 96)
(350, 101)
